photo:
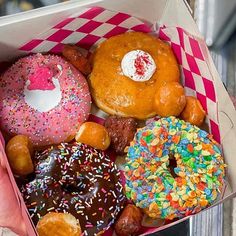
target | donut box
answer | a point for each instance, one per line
(87, 23)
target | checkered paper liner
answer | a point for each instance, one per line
(94, 25)
(86, 29)
(89, 28)
(197, 79)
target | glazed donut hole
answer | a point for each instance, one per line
(62, 224)
(19, 151)
(93, 134)
(193, 112)
(170, 99)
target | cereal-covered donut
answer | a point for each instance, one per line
(77, 179)
(199, 171)
(43, 97)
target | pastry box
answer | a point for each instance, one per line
(87, 23)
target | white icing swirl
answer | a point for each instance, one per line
(138, 65)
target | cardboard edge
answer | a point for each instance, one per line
(177, 13)
(48, 10)
(227, 119)
(170, 2)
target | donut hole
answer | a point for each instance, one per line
(80, 185)
(70, 188)
(172, 166)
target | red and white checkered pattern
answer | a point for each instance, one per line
(197, 78)
(85, 30)
(94, 25)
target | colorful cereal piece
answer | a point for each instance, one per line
(200, 169)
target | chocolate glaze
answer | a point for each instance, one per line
(78, 179)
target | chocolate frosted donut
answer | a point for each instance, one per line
(77, 179)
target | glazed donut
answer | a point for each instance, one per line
(127, 70)
(77, 179)
(199, 172)
(44, 98)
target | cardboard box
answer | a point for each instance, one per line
(46, 29)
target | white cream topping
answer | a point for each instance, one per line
(138, 65)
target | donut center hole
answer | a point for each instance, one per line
(172, 166)
(70, 188)
(79, 185)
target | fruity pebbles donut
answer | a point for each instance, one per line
(43, 97)
(76, 179)
(199, 171)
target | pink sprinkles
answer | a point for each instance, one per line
(55, 125)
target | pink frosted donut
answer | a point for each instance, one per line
(43, 97)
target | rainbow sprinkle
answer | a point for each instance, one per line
(199, 172)
(77, 179)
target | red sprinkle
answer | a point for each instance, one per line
(140, 64)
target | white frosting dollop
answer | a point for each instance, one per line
(138, 65)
